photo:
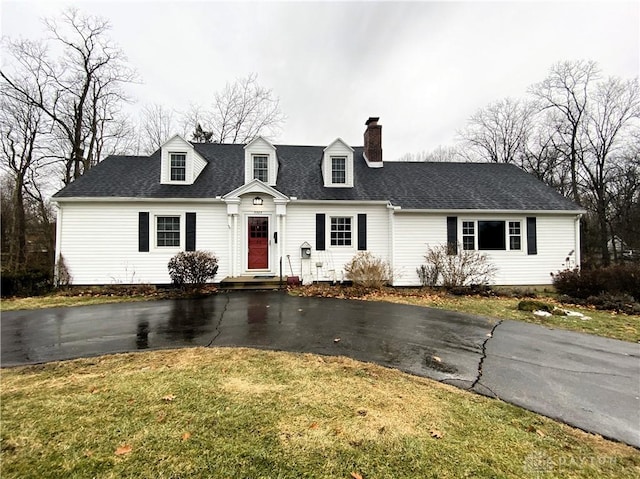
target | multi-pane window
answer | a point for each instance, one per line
(515, 238)
(178, 166)
(168, 231)
(468, 235)
(492, 235)
(261, 168)
(338, 170)
(341, 231)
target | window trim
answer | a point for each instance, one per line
(331, 231)
(266, 158)
(335, 170)
(173, 168)
(465, 233)
(156, 231)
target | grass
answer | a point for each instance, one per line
(228, 413)
(602, 323)
(58, 301)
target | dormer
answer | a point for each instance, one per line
(337, 165)
(180, 163)
(260, 162)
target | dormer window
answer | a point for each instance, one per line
(337, 165)
(338, 170)
(261, 168)
(181, 164)
(260, 162)
(178, 166)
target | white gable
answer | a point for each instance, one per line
(337, 149)
(194, 163)
(260, 148)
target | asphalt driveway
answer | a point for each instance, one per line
(586, 381)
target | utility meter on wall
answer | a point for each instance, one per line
(305, 250)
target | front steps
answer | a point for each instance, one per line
(256, 283)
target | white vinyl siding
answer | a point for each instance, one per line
(414, 233)
(99, 241)
(328, 265)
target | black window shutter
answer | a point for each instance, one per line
(320, 235)
(362, 232)
(532, 239)
(452, 234)
(190, 232)
(143, 231)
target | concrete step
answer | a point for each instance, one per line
(254, 283)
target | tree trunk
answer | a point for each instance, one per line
(17, 248)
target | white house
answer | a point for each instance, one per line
(255, 204)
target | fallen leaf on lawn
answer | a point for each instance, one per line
(313, 425)
(355, 475)
(168, 397)
(126, 449)
(540, 433)
(186, 436)
(435, 433)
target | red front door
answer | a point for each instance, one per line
(258, 230)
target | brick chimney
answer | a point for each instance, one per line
(373, 142)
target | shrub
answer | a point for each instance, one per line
(613, 280)
(26, 283)
(62, 277)
(192, 268)
(455, 270)
(532, 305)
(368, 271)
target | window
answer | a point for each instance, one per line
(491, 235)
(338, 170)
(341, 231)
(468, 235)
(261, 168)
(178, 166)
(515, 241)
(168, 231)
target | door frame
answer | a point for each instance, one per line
(245, 243)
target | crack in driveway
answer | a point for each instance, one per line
(218, 330)
(484, 356)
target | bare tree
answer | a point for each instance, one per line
(240, 112)
(498, 133)
(565, 92)
(157, 124)
(440, 154)
(22, 125)
(615, 110)
(80, 91)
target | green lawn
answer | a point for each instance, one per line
(238, 413)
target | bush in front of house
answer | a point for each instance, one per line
(192, 268)
(617, 280)
(368, 271)
(466, 268)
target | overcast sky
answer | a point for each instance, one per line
(422, 67)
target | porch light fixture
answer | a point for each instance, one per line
(257, 201)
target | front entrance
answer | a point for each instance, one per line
(258, 242)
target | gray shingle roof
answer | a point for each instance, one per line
(410, 185)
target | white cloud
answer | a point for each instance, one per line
(423, 67)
